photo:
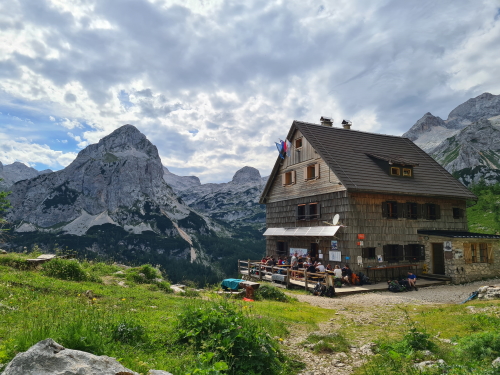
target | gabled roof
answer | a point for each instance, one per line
(352, 155)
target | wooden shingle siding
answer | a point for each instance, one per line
(326, 183)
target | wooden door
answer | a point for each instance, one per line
(438, 258)
(314, 251)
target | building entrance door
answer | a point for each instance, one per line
(438, 258)
(314, 251)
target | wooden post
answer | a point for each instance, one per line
(288, 278)
(260, 272)
(305, 279)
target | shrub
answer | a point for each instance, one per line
(480, 345)
(165, 286)
(271, 293)
(145, 274)
(233, 337)
(15, 261)
(67, 269)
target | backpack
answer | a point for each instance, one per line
(330, 292)
(338, 283)
(319, 289)
(395, 287)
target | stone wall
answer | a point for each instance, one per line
(455, 265)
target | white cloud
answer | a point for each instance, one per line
(214, 84)
(30, 153)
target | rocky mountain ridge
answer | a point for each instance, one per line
(17, 171)
(235, 202)
(116, 183)
(467, 144)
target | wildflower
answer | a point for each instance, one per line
(280, 339)
(123, 299)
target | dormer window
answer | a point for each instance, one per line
(298, 143)
(407, 172)
(395, 171)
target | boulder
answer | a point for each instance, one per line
(489, 292)
(49, 358)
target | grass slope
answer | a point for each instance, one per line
(484, 216)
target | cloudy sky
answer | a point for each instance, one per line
(213, 84)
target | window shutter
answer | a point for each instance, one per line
(421, 252)
(384, 210)
(490, 253)
(293, 177)
(400, 253)
(305, 174)
(283, 179)
(420, 211)
(438, 211)
(467, 253)
(407, 251)
(400, 212)
(318, 207)
(316, 170)
(386, 252)
(308, 212)
(296, 212)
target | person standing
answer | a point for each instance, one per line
(294, 262)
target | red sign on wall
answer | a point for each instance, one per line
(361, 236)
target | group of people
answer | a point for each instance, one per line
(404, 284)
(343, 275)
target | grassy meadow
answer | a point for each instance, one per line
(132, 315)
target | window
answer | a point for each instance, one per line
(369, 252)
(310, 211)
(311, 172)
(458, 213)
(393, 253)
(301, 212)
(432, 211)
(407, 172)
(288, 178)
(395, 171)
(478, 253)
(390, 210)
(298, 143)
(281, 247)
(313, 211)
(414, 252)
(411, 210)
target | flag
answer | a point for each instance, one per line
(279, 146)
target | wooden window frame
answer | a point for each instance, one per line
(411, 210)
(311, 172)
(390, 209)
(409, 172)
(393, 253)
(392, 169)
(478, 252)
(288, 178)
(301, 215)
(414, 252)
(317, 214)
(432, 211)
(298, 143)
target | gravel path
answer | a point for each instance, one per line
(343, 364)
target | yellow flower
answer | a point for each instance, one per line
(123, 299)
(94, 299)
(281, 339)
(78, 294)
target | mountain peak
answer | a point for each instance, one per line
(246, 174)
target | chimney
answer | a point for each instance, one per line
(346, 124)
(326, 121)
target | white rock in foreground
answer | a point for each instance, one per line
(49, 358)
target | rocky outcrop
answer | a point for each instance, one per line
(12, 173)
(489, 292)
(179, 183)
(49, 358)
(236, 202)
(118, 181)
(467, 142)
(473, 153)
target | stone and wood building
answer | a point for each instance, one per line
(396, 205)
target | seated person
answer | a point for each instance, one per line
(311, 269)
(337, 272)
(329, 267)
(347, 274)
(412, 280)
(320, 267)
